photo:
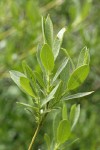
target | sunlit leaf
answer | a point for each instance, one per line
(74, 115)
(51, 95)
(78, 77)
(15, 75)
(47, 57)
(63, 131)
(64, 112)
(61, 67)
(84, 57)
(25, 84)
(48, 31)
(78, 95)
(57, 42)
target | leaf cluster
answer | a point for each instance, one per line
(50, 89)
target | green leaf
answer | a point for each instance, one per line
(48, 31)
(58, 94)
(15, 75)
(64, 76)
(78, 95)
(39, 79)
(68, 56)
(47, 139)
(25, 84)
(47, 57)
(64, 112)
(30, 74)
(74, 115)
(84, 57)
(26, 105)
(39, 59)
(58, 42)
(78, 77)
(62, 66)
(63, 131)
(51, 95)
(43, 25)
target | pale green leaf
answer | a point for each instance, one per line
(48, 31)
(39, 59)
(43, 26)
(74, 115)
(64, 112)
(84, 57)
(57, 42)
(63, 131)
(50, 96)
(78, 95)
(61, 67)
(26, 105)
(30, 74)
(39, 78)
(78, 77)
(15, 75)
(70, 60)
(47, 57)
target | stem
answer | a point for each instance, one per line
(36, 132)
(34, 136)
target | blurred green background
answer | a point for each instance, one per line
(20, 32)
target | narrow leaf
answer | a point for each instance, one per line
(43, 25)
(70, 60)
(48, 31)
(58, 42)
(78, 77)
(84, 57)
(47, 139)
(50, 96)
(64, 112)
(64, 76)
(63, 131)
(72, 113)
(39, 79)
(62, 66)
(47, 57)
(78, 95)
(39, 59)
(75, 112)
(24, 104)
